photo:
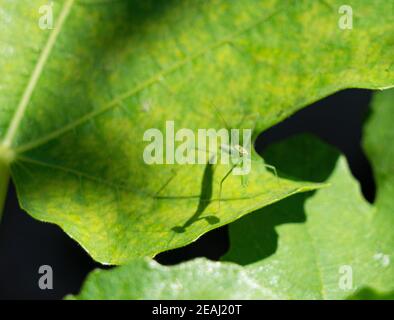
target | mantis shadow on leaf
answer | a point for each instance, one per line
(204, 200)
(206, 189)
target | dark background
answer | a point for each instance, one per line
(26, 244)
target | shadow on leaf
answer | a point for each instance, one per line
(204, 200)
(302, 157)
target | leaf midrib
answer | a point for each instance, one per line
(31, 85)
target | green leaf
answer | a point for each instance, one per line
(343, 233)
(146, 279)
(76, 100)
(199, 279)
(319, 237)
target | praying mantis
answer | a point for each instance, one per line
(239, 155)
(240, 158)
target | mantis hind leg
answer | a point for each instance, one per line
(273, 169)
(222, 181)
(166, 183)
(244, 180)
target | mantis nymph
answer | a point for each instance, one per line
(240, 158)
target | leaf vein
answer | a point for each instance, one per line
(147, 83)
(31, 85)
